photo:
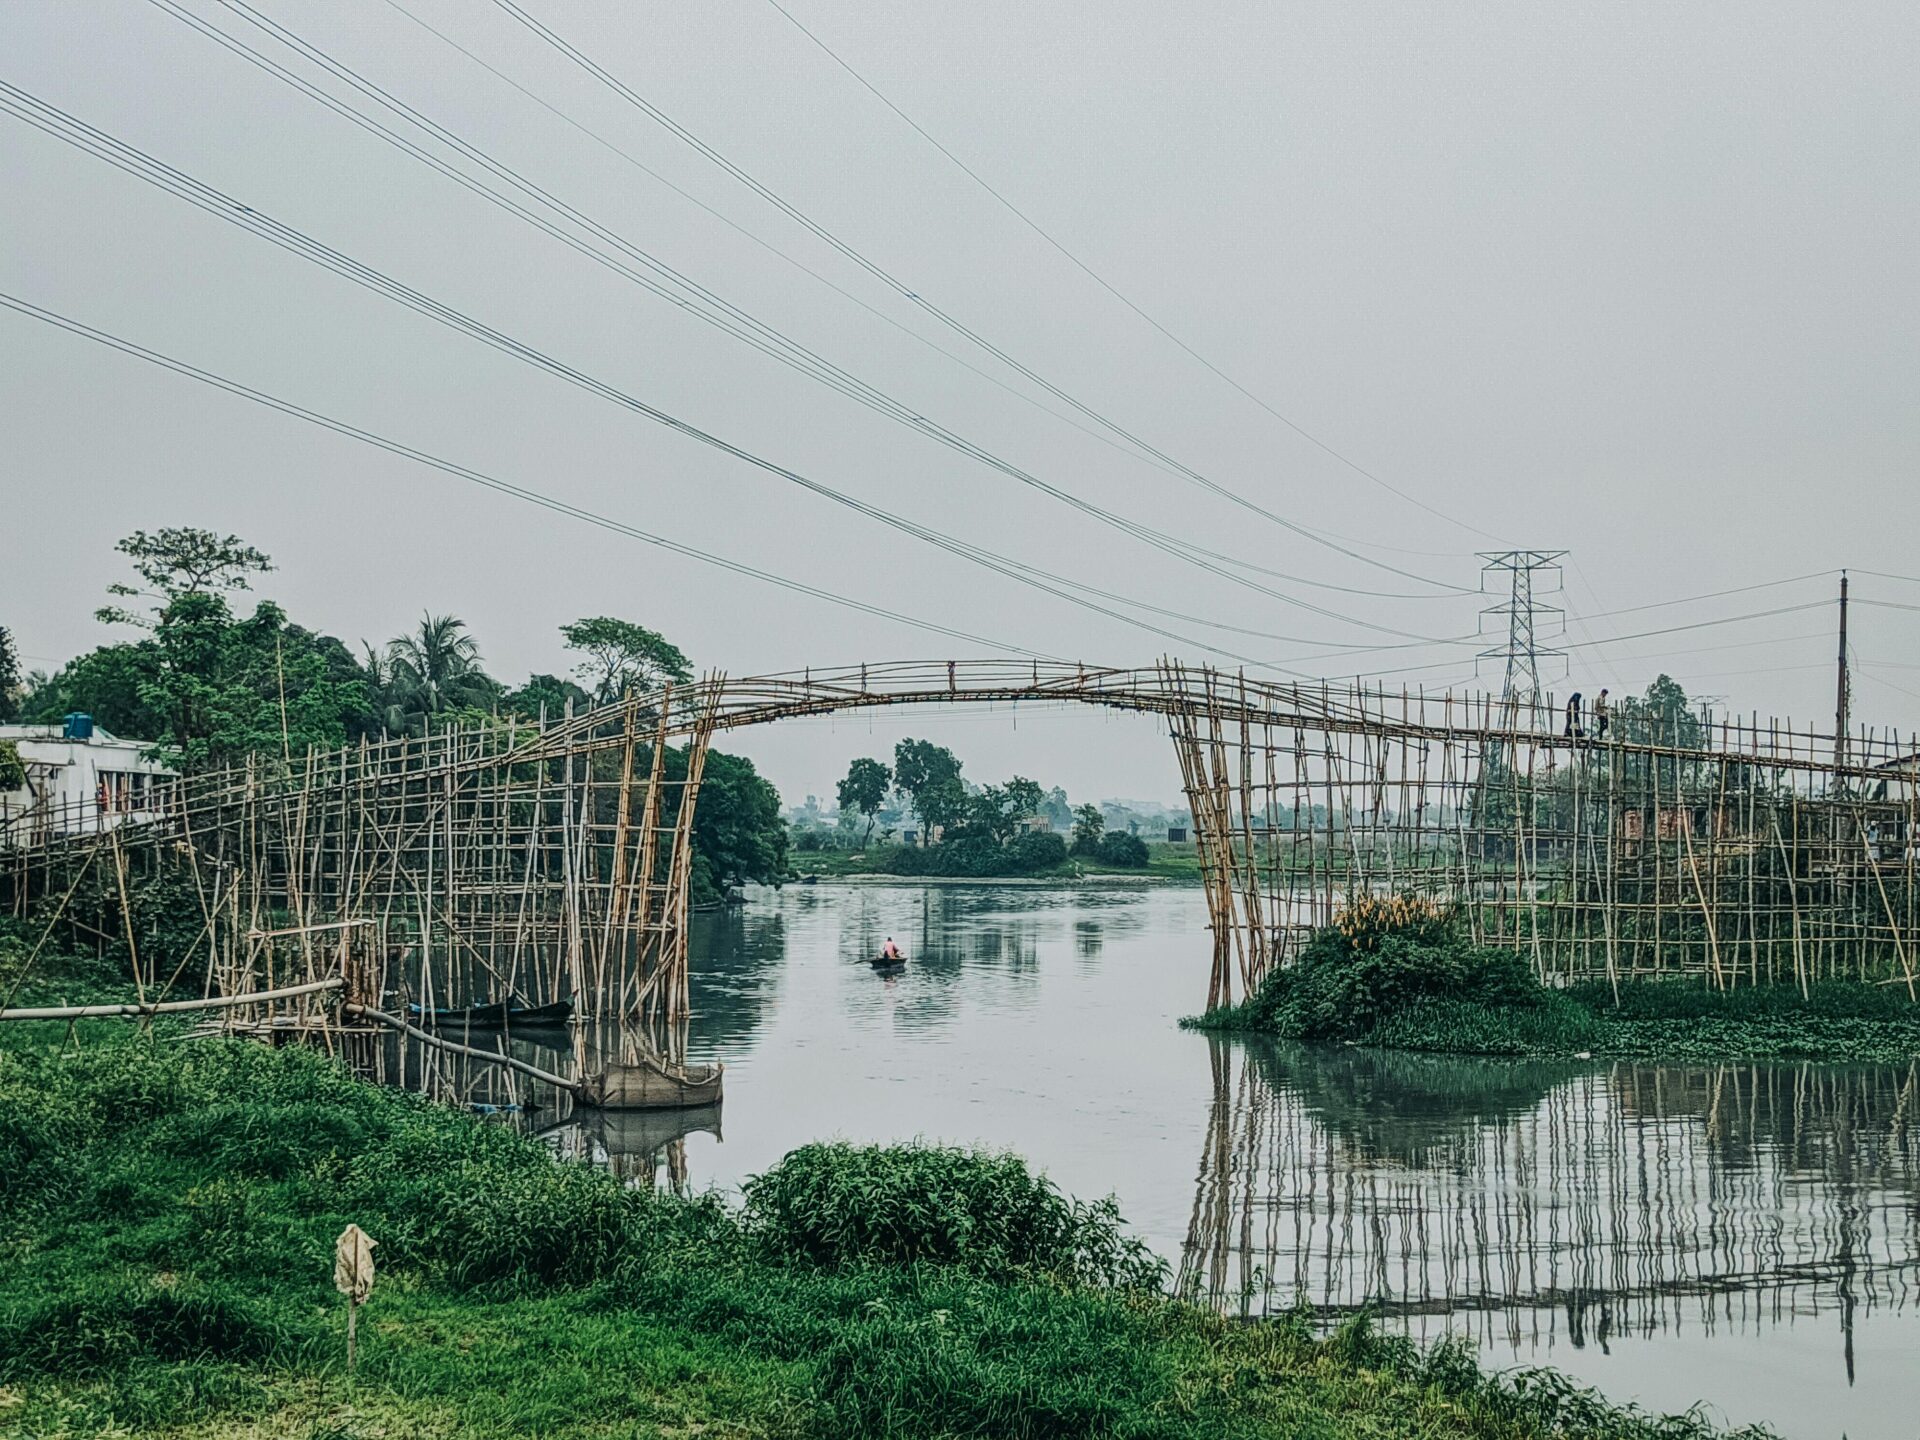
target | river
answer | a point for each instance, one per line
(1743, 1235)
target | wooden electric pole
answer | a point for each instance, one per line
(1841, 706)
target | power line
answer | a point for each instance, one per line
(477, 477)
(142, 166)
(1709, 624)
(906, 292)
(1111, 289)
(1883, 575)
(732, 320)
(1712, 594)
(1023, 396)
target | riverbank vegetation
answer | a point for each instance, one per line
(1401, 973)
(171, 1207)
(209, 686)
(965, 831)
(1164, 862)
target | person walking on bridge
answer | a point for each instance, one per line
(1576, 721)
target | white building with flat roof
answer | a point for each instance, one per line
(80, 781)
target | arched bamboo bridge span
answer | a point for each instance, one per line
(504, 857)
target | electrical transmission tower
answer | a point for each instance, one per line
(1523, 614)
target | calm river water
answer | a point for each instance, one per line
(1743, 1235)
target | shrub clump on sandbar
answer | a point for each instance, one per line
(1400, 972)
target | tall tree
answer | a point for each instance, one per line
(620, 656)
(9, 677)
(436, 667)
(995, 811)
(215, 688)
(865, 790)
(1024, 797)
(1088, 826)
(177, 561)
(929, 776)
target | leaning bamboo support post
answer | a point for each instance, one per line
(453, 1047)
(616, 895)
(126, 913)
(647, 951)
(1893, 921)
(1706, 909)
(172, 1007)
(1253, 963)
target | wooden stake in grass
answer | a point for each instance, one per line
(353, 1276)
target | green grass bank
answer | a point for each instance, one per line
(1399, 974)
(169, 1209)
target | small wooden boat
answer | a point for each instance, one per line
(502, 1015)
(652, 1084)
(883, 966)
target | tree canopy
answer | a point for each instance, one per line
(929, 776)
(210, 686)
(619, 656)
(9, 677)
(865, 789)
(178, 561)
(1088, 826)
(436, 668)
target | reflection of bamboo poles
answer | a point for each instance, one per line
(1628, 1200)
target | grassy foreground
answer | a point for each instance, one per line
(168, 1211)
(1399, 974)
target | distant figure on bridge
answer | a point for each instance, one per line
(889, 951)
(1576, 720)
(1602, 717)
(951, 685)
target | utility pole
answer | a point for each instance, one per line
(1843, 703)
(1522, 652)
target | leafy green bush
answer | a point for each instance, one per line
(840, 1204)
(1548, 1024)
(1117, 847)
(108, 1323)
(1033, 850)
(13, 773)
(1345, 984)
(1692, 998)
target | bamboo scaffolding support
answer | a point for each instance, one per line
(487, 861)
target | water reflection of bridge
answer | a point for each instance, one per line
(1519, 1199)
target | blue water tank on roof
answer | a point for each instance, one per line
(79, 726)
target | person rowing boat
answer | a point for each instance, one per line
(889, 955)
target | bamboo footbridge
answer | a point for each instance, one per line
(502, 858)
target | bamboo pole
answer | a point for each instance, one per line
(172, 1007)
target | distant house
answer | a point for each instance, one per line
(1177, 834)
(80, 781)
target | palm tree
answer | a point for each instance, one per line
(437, 668)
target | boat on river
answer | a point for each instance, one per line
(652, 1083)
(501, 1015)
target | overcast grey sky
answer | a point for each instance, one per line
(1634, 280)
